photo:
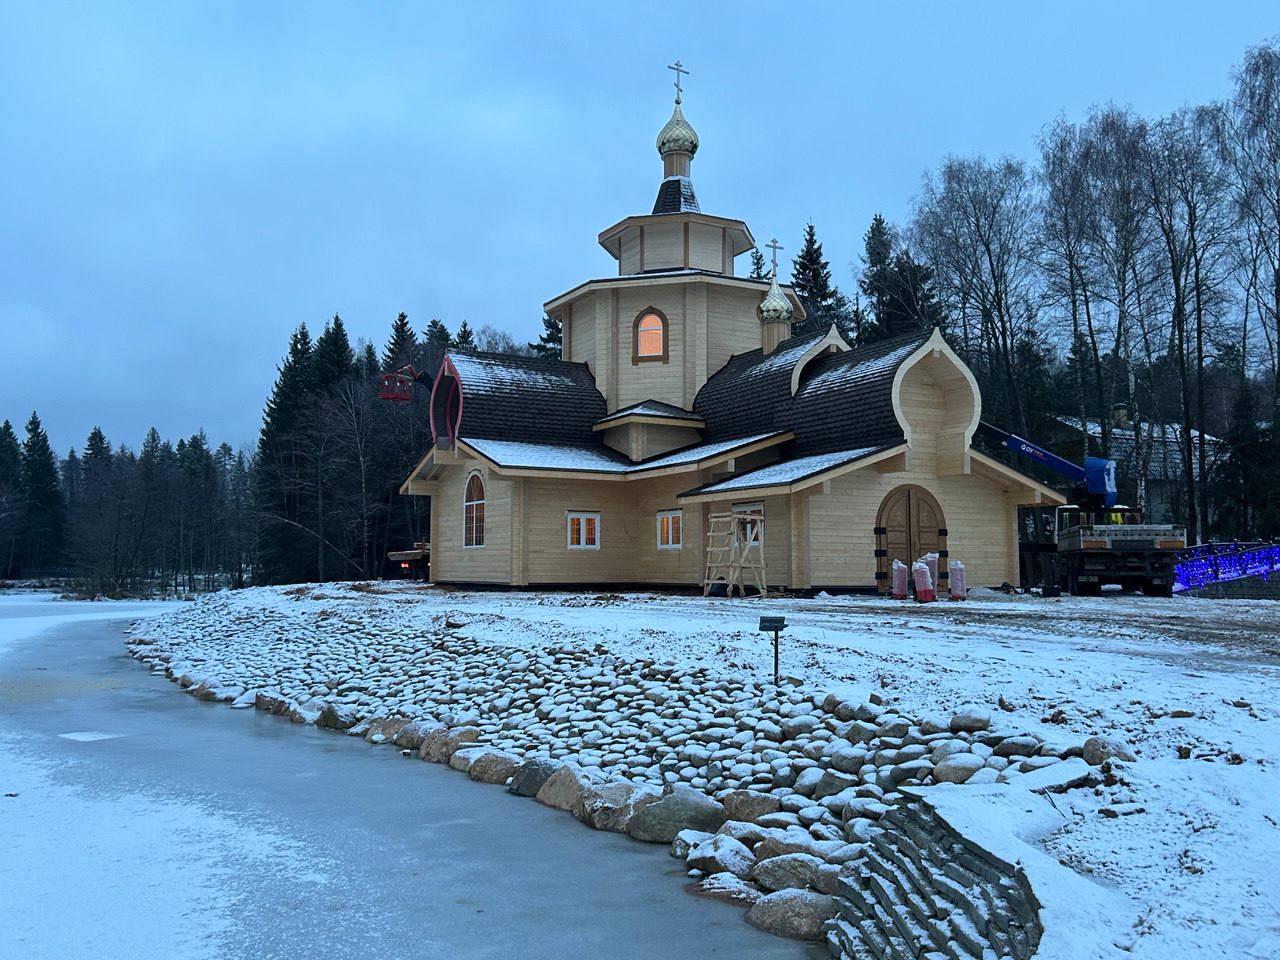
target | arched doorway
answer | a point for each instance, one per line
(909, 525)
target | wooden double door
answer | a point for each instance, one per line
(913, 525)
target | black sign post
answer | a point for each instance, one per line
(774, 625)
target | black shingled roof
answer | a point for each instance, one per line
(675, 195)
(752, 392)
(540, 400)
(844, 401)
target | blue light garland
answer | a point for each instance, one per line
(1218, 563)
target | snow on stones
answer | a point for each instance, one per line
(767, 793)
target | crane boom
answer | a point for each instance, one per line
(1097, 476)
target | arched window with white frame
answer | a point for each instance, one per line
(473, 512)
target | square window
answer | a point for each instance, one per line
(582, 530)
(670, 529)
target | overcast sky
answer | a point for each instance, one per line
(181, 184)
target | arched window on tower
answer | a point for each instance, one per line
(650, 339)
(473, 512)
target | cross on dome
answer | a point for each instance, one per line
(678, 67)
(774, 246)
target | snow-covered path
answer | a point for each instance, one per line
(138, 824)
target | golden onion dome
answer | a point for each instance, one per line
(775, 307)
(677, 136)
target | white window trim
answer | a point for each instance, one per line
(753, 507)
(658, 524)
(465, 503)
(582, 515)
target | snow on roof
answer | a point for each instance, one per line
(599, 459)
(549, 456)
(788, 471)
(1169, 432)
(701, 452)
(651, 408)
(841, 372)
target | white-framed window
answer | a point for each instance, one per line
(582, 530)
(670, 529)
(754, 531)
(473, 512)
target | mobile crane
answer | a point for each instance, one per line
(1095, 541)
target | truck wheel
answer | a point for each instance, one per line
(1157, 589)
(1086, 589)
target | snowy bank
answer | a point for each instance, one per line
(599, 704)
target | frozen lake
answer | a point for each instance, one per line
(147, 824)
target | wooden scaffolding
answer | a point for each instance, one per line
(735, 553)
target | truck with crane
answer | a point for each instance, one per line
(1095, 541)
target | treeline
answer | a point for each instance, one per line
(1130, 275)
(168, 518)
(316, 500)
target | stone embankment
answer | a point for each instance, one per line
(787, 800)
(924, 890)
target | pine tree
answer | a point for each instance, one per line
(367, 365)
(877, 281)
(332, 361)
(438, 336)
(10, 500)
(899, 290)
(402, 346)
(811, 280)
(758, 269)
(464, 339)
(551, 341)
(44, 519)
(280, 474)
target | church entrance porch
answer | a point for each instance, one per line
(909, 524)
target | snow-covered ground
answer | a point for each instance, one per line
(1190, 684)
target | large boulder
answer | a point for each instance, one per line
(1025, 745)
(800, 914)
(686, 839)
(747, 805)
(414, 732)
(611, 805)
(464, 757)
(970, 720)
(721, 854)
(793, 840)
(788, 871)
(439, 745)
(958, 768)
(948, 748)
(493, 766)
(1099, 749)
(308, 712)
(793, 727)
(832, 782)
(682, 809)
(847, 759)
(337, 716)
(859, 731)
(531, 775)
(384, 729)
(565, 789)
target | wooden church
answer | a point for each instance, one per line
(683, 415)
